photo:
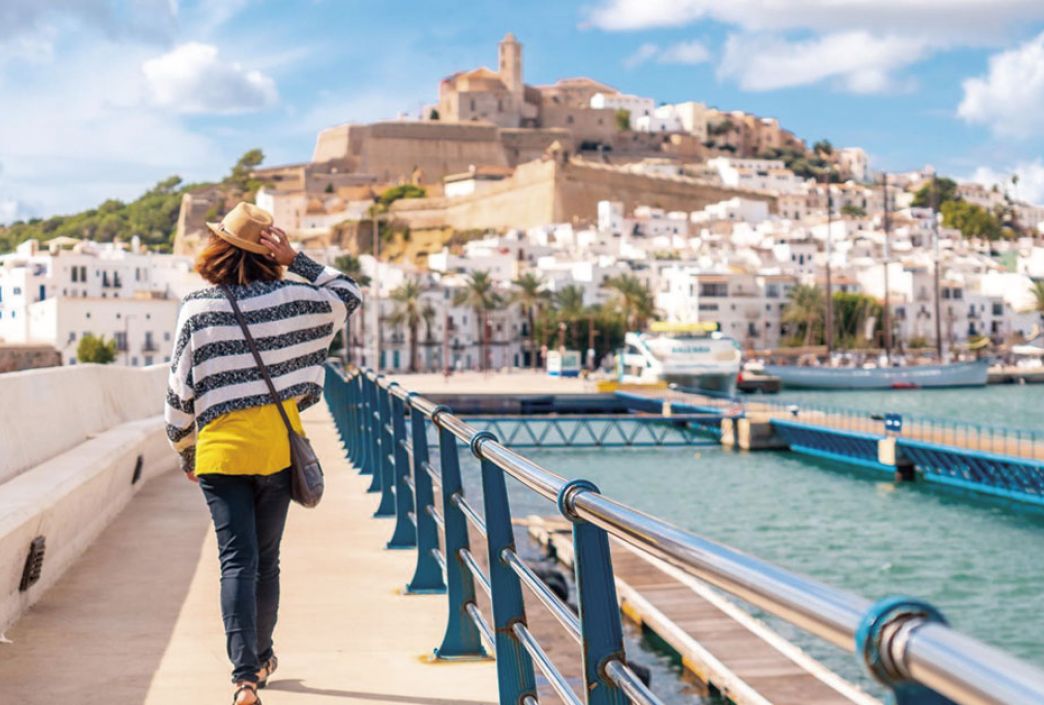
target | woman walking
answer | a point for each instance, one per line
(223, 422)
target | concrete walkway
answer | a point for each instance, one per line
(136, 620)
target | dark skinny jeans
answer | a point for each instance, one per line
(249, 513)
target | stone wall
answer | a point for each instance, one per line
(15, 357)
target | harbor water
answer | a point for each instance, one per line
(979, 561)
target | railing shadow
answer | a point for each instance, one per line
(296, 685)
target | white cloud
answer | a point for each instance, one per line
(886, 35)
(1030, 186)
(142, 19)
(1010, 97)
(192, 79)
(641, 55)
(970, 19)
(685, 53)
(692, 52)
(860, 62)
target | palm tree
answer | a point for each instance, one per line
(428, 314)
(632, 299)
(570, 304)
(532, 297)
(805, 307)
(350, 265)
(408, 311)
(479, 296)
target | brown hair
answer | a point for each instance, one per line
(221, 262)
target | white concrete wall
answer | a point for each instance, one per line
(48, 411)
(71, 440)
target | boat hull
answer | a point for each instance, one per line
(961, 374)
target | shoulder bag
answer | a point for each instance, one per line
(306, 475)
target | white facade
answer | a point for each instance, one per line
(637, 106)
(757, 175)
(131, 297)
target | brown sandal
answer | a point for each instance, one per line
(246, 686)
(268, 668)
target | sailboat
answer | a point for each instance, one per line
(960, 374)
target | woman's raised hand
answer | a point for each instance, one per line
(278, 243)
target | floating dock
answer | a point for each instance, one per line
(719, 643)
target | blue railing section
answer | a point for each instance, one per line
(903, 642)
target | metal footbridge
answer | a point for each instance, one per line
(1006, 463)
(412, 448)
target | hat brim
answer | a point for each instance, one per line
(255, 247)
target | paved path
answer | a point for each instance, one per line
(136, 620)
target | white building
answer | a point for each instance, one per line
(637, 106)
(757, 174)
(127, 296)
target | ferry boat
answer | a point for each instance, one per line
(690, 355)
(959, 374)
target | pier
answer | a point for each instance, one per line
(405, 588)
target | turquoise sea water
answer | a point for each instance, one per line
(980, 562)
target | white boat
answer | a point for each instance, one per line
(959, 374)
(691, 356)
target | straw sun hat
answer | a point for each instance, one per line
(242, 227)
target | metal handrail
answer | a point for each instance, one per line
(904, 643)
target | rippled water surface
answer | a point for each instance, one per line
(982, 563)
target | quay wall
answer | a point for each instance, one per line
(77, 443)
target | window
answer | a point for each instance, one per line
(714, 289)
(998, 309)
(134, 361)
(83, 274)
(17, 291)
(148, 359)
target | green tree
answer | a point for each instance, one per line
(805, 310)
(478, 295)
(240, 177)
(570, 309)
(972, 220)
(1038, 295)
(97, 349)
(434, 114)
(631, 299)
(623, 119)
(409, 311)
(531, 295)
(823, 147)
(350, 265)
(853, 211)
(393, 194)
(944, 187)
(851, 312)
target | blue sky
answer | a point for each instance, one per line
(104, 97)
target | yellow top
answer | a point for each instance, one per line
(247, 442)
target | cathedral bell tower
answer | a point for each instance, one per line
(510, 67)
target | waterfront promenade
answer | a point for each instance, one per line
(136, 619)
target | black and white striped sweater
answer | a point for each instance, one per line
(212, 371)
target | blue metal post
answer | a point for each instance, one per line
(596, 594)
(361, 434)
(462, 638)
(352, 388)
(385, 467)
(427, 575)
(514, 665)
(883, 615)
(405, 533)
(373, 463)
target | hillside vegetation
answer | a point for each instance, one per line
(153, 216)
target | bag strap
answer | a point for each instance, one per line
(257, 357)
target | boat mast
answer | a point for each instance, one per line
(828, 325)
(886, 314)
(935, 274)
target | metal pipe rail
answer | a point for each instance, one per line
(902, 642)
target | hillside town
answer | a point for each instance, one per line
(506, 219)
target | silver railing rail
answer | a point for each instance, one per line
(904, 643)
